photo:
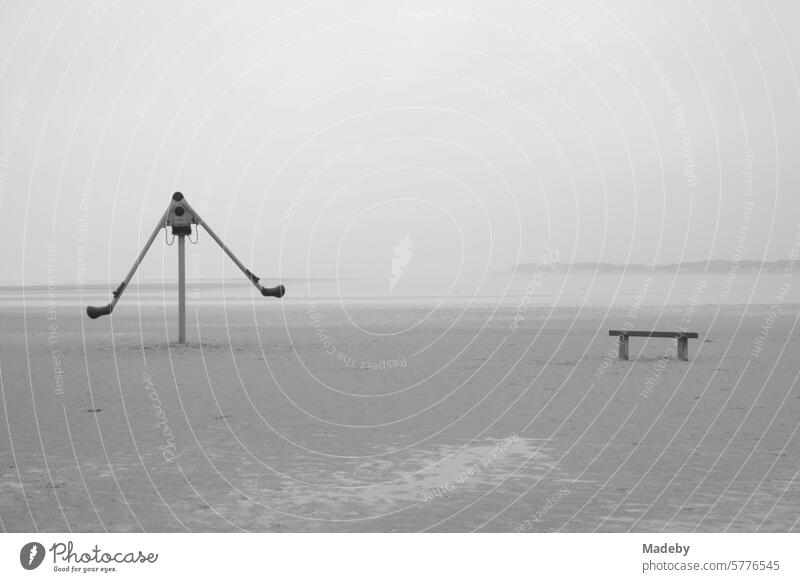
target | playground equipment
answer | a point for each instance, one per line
(181, 216)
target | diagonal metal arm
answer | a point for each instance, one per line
(95, 312)
(278, 291)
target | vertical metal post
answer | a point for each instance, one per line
(181, 289)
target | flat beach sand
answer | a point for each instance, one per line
(397, 418)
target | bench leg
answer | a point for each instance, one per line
(623, 347)
(683, 348)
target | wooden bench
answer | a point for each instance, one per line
(681, 336)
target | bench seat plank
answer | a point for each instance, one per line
(675, 334)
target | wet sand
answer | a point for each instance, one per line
(285, 417)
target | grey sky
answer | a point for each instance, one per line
(314, 136)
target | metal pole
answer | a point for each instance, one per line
(95, 312)
(181, 289)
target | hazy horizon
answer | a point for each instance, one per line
(315, 138)
(732, 269)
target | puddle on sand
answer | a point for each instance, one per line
(378, 486)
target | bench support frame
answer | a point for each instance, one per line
(681, 337)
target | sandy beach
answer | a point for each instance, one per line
(301, 416)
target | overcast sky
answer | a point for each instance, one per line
(315, 136)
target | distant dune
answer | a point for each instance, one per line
(713, 266)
